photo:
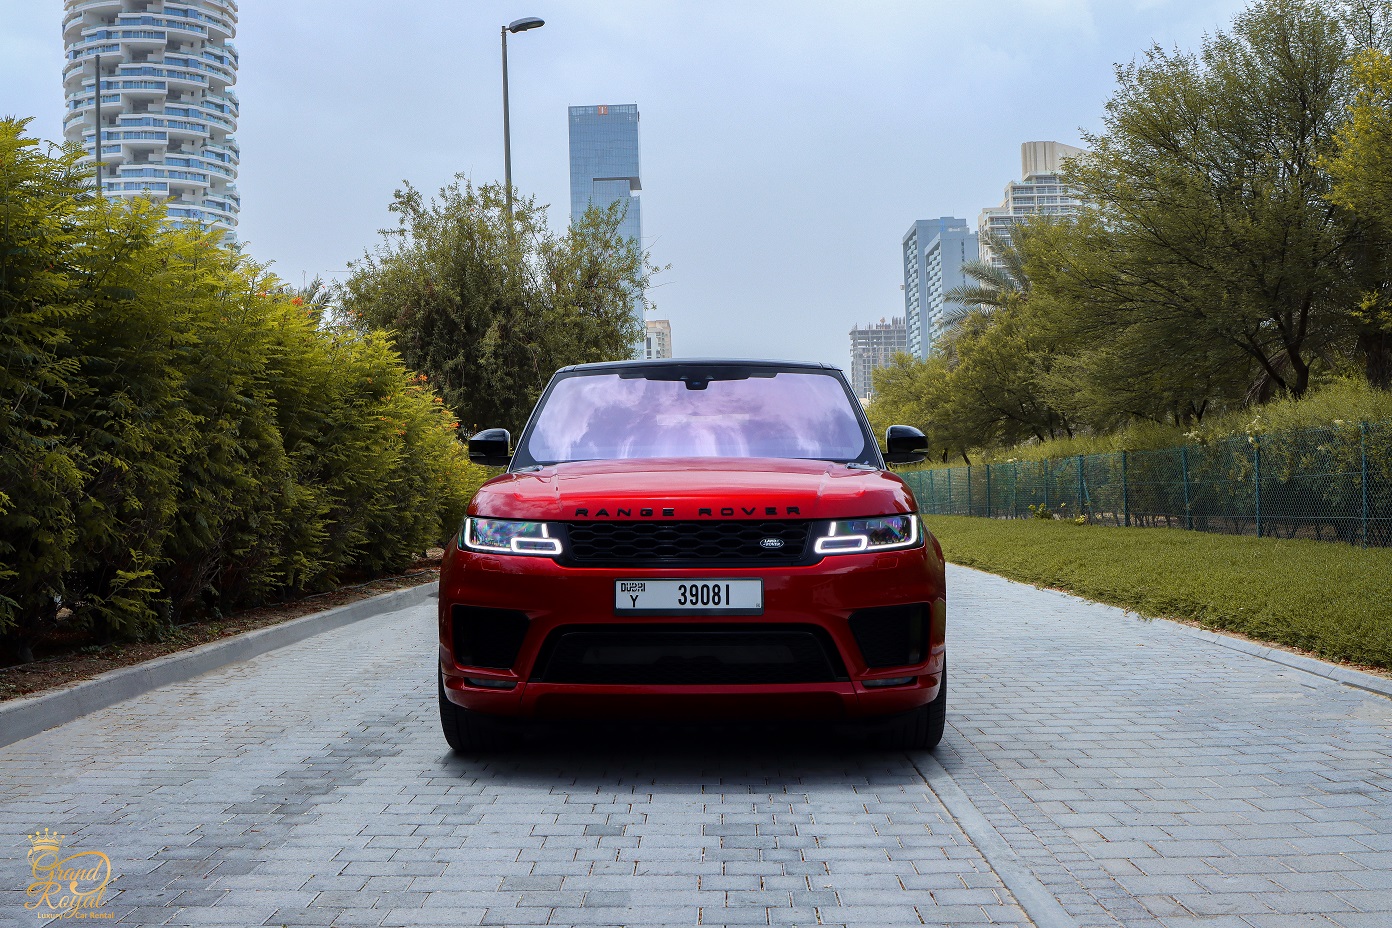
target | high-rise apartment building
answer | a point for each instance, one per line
(874, 347)
(604, 162)
(168, 113)
(659, 341)
(934, 251)
(1039, 192)
(604, 170)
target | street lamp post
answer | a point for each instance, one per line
(97, 98)
(517, 25)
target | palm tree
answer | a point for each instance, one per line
(996, 283)
(316, 296)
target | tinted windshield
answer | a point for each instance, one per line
(603, 416)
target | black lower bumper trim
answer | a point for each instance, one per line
(677, 655)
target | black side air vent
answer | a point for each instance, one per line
(487, 637)
(892, 636)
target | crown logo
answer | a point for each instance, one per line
(45, 840)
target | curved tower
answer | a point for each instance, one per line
(168, 113)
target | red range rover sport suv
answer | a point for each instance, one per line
(695, 539)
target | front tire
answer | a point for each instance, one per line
(921, 729)
(469, 732)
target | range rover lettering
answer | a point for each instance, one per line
(695, 539)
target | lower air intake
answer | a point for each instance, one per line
(689, 655)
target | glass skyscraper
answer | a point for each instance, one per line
(934, 251)
(604, 162)
(604, 170)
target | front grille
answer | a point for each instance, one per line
(685, 544)
(892, 636)
(701, 655)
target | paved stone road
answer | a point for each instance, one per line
(1144, 777)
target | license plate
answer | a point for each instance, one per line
(689, 597)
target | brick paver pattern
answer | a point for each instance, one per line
(1164, 779)
(1144, 776)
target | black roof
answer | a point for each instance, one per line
(699, 362)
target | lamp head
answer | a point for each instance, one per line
(525, 23)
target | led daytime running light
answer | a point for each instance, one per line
(854, 543)
(518, 543)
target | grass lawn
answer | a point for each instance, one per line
(1327, 598)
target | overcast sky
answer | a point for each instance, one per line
(786, 146)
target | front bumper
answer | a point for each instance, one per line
(820, 598)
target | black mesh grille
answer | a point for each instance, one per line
(688, 655)
(892, 636)
(487, 637)
(677, 544)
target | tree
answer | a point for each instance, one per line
(996, 284)
(1238, 243)
(1361, 166)
(982, 385)
(1367, 22)
(995, 383)
(41, 200)
(489, 306)
(910, 392)
(1114, 364)
(1209, 183)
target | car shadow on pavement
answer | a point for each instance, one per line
(769, 752)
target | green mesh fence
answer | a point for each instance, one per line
(1331, 483)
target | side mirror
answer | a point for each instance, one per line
(904, 444)
(491, 447)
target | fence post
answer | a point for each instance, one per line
(1081, 489)
(1256, 480)
(969, 492)
(1125, 496)
(988, 492)
(1015, 490)
(1363, 454)
(1184, 472)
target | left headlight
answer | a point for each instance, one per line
(501, 536)
(852, 536)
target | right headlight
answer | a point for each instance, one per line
(504, 536)
(882, 533)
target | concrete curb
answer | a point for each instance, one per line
(1311, 665)
(28, 716)
(1034, 897)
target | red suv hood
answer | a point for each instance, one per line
(693, 488)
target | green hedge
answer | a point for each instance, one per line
(182, 436)
(1333, 600)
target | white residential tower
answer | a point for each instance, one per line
(168, 114)
(658, 343)
(1039, 192)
